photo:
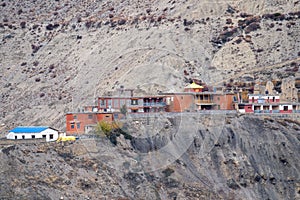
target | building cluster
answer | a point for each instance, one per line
(194, 98)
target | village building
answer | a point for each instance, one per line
(179, 102)
(85, 122)
(258, 98)
(267, 104)
(188, 101)
(224, 101)
(132, 104)
(118, 104)
(33, 132)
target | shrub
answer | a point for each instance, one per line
(121, 21)
(23, 24)
(89, 24)
(103, 127)
(35, 63)
(228, 21)
(252, 27)
(167, 172)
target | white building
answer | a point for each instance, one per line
(258, 98)
(33, 132)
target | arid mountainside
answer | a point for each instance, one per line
(58, 55)
(220, 157)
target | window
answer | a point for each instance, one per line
(32, 136)
(75, 116)
(44, 136)
(51, 136)
(273, 99)
(285, 108)
(102, 102)
(90, 116)
(23, 137)
(78, 125)
(134, 102)
(72, 125)
(16, 137)
(218, 98)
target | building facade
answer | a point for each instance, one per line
(83, 122)
(132, 104)
(33, 132)
(267, 104)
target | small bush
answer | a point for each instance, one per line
(23, 24)
(89, 24)
(167, 172)
(103, 127)
(121, 21)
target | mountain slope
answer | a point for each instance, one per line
(57, 56)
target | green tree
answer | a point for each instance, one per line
(103, 127)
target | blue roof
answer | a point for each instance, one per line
(29, 129)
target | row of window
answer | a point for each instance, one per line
(90, 116)
(33, 136)
(73, 125)
(122, 102)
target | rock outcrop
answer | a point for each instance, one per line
(216, 157)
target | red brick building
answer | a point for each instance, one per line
(192, 101)
(82, 122)
(224, 101)
(179, 102)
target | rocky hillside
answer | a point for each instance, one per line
(58, 55)
(220, 157)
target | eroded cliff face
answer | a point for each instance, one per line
(190, 157)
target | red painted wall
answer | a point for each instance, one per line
(84, 119)
(224, 100)
(181, 103)
(248, 109)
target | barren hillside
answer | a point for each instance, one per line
(56, 56)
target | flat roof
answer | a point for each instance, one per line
(133, 97)
(264, 95)
(196, 93)
(30, 129)
(89, 112)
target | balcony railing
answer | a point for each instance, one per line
(204, 101)
(159, 104)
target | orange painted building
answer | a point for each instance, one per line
(179, 102)
(78, 123)
(225, 101)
